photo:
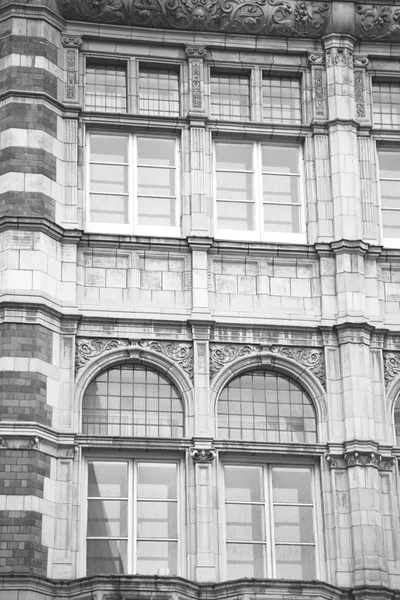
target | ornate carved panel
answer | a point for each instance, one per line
(359, 93)
(222, 354)
(311, 358)
(391, 366)
(339, 56)
(88, 349)
(378, 21)
(360, 459)
(259, 17)
(203, 455)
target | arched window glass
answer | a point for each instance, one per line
(397, 420)
(132, 400)
(262, 406)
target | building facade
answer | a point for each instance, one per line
(200, 299)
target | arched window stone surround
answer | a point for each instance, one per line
(281, 365)
(155, 361)
(393, 398)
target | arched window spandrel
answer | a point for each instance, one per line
(262, 406)
(132, 400)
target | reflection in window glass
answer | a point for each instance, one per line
(386, 104)
(158, 91)
(262, 406)
(389, 174)
(247, 513)
(105, 87)
(281, 100)
(132, 400)
(397, 421)
(230, 96)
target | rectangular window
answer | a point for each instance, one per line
(389, 176)
(270, 522)
(158, 91)
(281, 100)
(132, 518)
(230, 96)
(133, 184)
(105, 87)
(386, 104)
(258, 191)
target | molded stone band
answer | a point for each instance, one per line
(287, 18)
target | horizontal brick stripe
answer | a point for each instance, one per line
(22, 340)
(28, 116)
(27, 204)
(23, 397)
(28, 79)
(28, 160)
(21, 549)
(31, 46)
(22, 472)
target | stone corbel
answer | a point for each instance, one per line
(196, 56)
(360, 458)
(71, 45)
(203, 455)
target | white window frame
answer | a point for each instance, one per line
(132, 227)
(132, 461)
(388, 242)
(267, 465)
(259, 234)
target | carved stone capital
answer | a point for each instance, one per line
(195, 51)
(71, 41)
(360, 61)
(203, 455)
(316, 58)
(360, 458)
(339, 57)
(222, 354)
(391, 361)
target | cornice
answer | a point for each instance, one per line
(283, 18)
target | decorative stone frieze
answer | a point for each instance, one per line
(311, 358)
(180, 352)
(378, 21)
(203, 455)
(391, 362)
(262, 17)
(360, 459)
(222, 354)
(20, 443)
(339, 56)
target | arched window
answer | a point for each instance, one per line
(132, 400)
(397, 420)
(262, 406)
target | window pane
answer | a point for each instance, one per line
(106, 87)
(157, 520)
(230, 96)
(153, 151)
(158, 91)
(282, 218)
(157, 480)
(107, 518)
(157, 182)
(282, 159)
(108, 208)
(234, 186)
(292, 485)
(281, 188)
(109, 148)
(386, 104)
(390, 193)
(281, 100)
(391, 223)
(236, 215)
(243, 484)
(155, 556)
(109, 179)
(245, 522)
(106, 556)
(157, 211)
(245, 560)
(107, 479)
(293, 524)
(295, 562)
(235, 157)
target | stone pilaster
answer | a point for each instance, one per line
(71, 61)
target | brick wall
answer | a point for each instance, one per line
(22, 472)
(23, 397)
(28, 116)
(22, 340)
(27, 204)
(21, 550)
(28, 79)
(28, 160)
(31, 46)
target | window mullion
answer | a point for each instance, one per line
(133, 183)
(134, 512)
(269, 521)
(258, 189)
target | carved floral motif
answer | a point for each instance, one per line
(196, 84)
(360, 459)
(182, 352)
(309, 357)
(318, 92)
(391, 366)
(87, 349)
(339, 56)
(359, 93)
(262, 17)
(221, 354)
(203, 455)
(378, 21)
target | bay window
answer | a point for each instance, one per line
(132, 517)
(270, 522)
(133, 184)
(258, 189)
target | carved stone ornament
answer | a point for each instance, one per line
(319, 92)
(196, 84)
(203, 455)
(391, 366)
(339, 56)
(222, 354)
(316, 59)
(71, 74)
(71, 41)
(195, 51)
(179, 352)
(299, 18)
(360, 459)
(311, 358)
(359, 93)
(378, 21)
